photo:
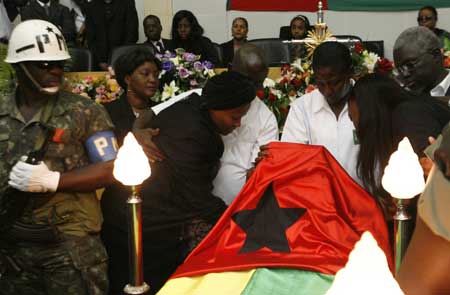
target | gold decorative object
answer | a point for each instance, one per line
(318, 35)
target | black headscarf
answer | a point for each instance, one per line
(228, 90)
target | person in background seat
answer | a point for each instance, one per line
(188, 34)
(239, 31)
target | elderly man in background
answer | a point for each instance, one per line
(420, 63)
(420, 68)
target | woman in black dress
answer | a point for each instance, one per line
(137, 73)
(188, 34)
(239, 31)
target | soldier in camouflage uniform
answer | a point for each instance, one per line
(78, 159)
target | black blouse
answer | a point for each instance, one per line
(201, 46)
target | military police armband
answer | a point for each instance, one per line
(101, 147)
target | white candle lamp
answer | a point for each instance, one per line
(131, 168)
(366, 272)
(403, 179)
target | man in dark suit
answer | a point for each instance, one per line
(152, 29)
(110, 24)
(53, 12)
(12, 7)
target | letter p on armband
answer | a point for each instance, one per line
(101, 147)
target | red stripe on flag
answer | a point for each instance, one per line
(276, 5)
(338, 211)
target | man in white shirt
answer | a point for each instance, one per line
(321, 117)
(420, 63)
(257, 128)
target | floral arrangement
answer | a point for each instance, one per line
(182, 71)
(296, 80)
(101, 89)
(365, 62)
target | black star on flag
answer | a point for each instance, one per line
(266, 225)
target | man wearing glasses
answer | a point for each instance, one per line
(51, 246)
(420, 63)
(420, 68)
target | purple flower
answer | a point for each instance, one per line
(198, 67)
(167, 65)
(189, 57)
(193, 82)
(207, 64)
(183, 73)
(169, 54)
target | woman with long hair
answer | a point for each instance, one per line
(383, 113)
(299, 28)
(188, 34)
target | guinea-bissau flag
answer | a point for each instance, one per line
(290, 229)
(342, 5)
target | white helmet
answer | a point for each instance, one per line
(36, 40)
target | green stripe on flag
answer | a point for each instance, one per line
(284, 281)
(384, 5)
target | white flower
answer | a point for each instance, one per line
(298, 64)
(209, 73)
(175, 60)
(369, 60)
(268, 83)
(277, 93)
(161, 74)
(169, 91)
(292, 98)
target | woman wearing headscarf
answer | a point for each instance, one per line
(178, 207)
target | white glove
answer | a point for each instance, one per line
(33, 178)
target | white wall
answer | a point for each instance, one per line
(140, 7)
(386, 26)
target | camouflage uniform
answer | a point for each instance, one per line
(77, 263)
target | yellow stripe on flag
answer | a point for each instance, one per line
(223, 283)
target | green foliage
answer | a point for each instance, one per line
(7, 75)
